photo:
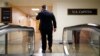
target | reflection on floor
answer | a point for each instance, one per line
(2, 49)
(17, 49)
(54, 53)
(21, 50)
(82, 50)
(57, 49)
(14, 49)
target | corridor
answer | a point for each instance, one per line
(81, 16)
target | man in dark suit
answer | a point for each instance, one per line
(46, 27)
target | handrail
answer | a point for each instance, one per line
(3, 26)
(78, 27)
(9, 28)
(96, 27)
(16, 26)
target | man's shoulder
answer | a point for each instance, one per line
(50, 12)
(46, 12)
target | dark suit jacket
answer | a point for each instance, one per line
(47, 20)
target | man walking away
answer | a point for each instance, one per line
(46, 27)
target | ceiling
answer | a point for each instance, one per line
(40, 2)
(31, 2)
(27, 5)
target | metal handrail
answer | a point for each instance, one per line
(78, 27)
(95, 27)
(4, 29)
(9, 28)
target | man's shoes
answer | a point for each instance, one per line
(50, 50)
(43, 51)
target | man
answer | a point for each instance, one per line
(46, 27)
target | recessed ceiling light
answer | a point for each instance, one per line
(35, 9)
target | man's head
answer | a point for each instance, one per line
(44, 7)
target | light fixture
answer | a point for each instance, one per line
(36, 13)
(92, 24)
(35, 9)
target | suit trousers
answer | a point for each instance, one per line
(46, 35)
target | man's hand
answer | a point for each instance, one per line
(54, 29)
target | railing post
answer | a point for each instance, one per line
(99, 45)
(6, 44)
(31, 36)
